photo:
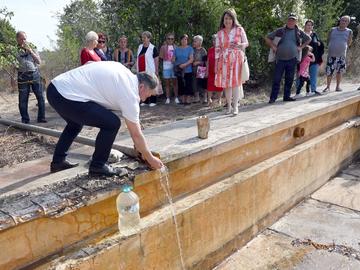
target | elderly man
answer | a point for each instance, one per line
(29, 78)
(286, 42)
(86, 96)
(339, 39)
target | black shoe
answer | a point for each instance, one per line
(41, 121)
(271, 101)
(105, 170)
(317, 93)
(60, 166)
(289, 99)
(25, 121)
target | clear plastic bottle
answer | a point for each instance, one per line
(128, 207)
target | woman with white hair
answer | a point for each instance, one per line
(87, 53)
(148, 60)
(200, 55)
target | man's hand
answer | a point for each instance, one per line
(274, 48)
(141, 146)
(154, 162)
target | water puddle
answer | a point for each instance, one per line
(164, 181)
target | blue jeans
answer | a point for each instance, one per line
(30, 81)
(77, 114)
(287, 66)
(313, 72)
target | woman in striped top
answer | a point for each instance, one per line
(231, 42)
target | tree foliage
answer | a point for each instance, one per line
(131, 18)
(324, 13)
(7, 41)
(77, 18)
(352, 8)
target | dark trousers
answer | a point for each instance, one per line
(77, 114)
(30, 81)
(302, 80)
(185, 84)
(287, 66)
(151, 99)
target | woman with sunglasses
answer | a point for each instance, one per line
(102, 50)
(167, 52)
(87, 53)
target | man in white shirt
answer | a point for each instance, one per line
(86, 96)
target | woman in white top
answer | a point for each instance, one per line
(148, 60)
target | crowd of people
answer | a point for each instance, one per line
(193, 73)
(190, 73)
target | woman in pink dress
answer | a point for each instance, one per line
(231, 42)
(211, 88)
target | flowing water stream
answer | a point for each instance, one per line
(164, 181)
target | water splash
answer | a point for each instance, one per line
(164, 181)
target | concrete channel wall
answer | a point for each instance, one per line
(226, 189)
(218, 219)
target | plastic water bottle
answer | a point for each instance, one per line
(128, 207)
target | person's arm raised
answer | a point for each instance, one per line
(140, 144)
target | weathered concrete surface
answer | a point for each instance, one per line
(216, 215)
(322, 223)
(257, 123)
(47, 218)
(180, 139)
(271, 250)
(319, 234)
(342, 192)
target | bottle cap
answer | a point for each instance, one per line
(126, 188)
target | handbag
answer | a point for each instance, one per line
(245, 71)
(200, 72)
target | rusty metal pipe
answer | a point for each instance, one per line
(80, 139)
(299, 132)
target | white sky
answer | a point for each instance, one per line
(37, 18)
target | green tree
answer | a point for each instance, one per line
(78, 18)
(8, 47)
(160, 17)
(324, 13)
(352, 8)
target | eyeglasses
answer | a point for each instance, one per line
(101, 41)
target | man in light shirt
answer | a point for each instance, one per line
(339, 39)
(87, 95)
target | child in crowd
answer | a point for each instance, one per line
(303, 72)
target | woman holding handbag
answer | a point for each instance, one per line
(199, 69)
(231, 42)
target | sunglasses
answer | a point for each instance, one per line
(101, 41)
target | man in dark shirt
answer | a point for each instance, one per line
(286, 43)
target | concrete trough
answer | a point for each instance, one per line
(222, 217)
(256, 163)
